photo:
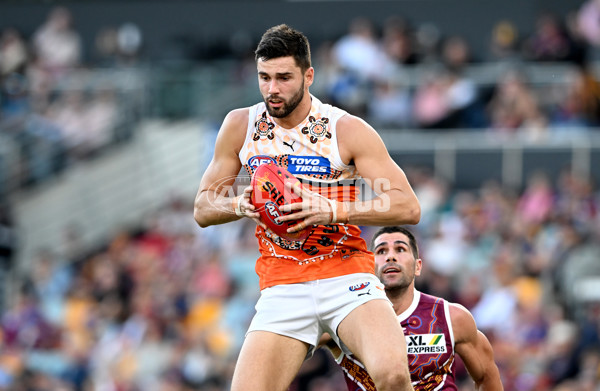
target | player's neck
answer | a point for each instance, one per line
(402, 298)
(298, 115)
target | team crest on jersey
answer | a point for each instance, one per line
(359, 287)
(263, 128)
(317, 129)
(426, 343)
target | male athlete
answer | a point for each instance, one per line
(435, 329)
(320, 284)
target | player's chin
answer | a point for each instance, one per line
(391, 280)
(277, 112)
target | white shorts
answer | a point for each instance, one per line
(306, 310)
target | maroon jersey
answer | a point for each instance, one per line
(430, 344)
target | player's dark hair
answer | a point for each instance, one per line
(412, 242)
(283, 41)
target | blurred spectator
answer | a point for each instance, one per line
(43, 146)
(430, 105)
(579, 102)
(456, 53)
(536, 202)
(359, 59)
(588, 22)
(49, 283)
(496, 311)
(447, 99)
(14, 96)
(25, 327)
(462, 95)
(129, 43)
(504, 42)
(102, 117)
(549, 41)
(513, 105)
(428, 40)
(118, 45)
(390, 105)
(8, 236)
(8, 247)
(56, 44)
(68, 113)
(359, 52)
(13, 52)
(398, 41)
(106, 46)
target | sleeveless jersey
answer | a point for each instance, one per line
(430, 343)
(310, 152)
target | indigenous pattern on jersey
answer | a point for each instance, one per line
(430, 343)
(310, 152)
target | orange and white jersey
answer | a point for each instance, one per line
(310, 152)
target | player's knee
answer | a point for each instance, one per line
(391, 380)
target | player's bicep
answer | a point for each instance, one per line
(225, 165)
(372, 159)
(476, 353)
(474, 348)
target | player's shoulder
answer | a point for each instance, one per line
(462, 320)
(353, 121)
(233, 129)
(459, 310)
(237, 117)
(235, 123)
(351, 128)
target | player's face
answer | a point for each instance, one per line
(395, 262)
(282, 84)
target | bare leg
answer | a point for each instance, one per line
(372, 332)
(268, 362)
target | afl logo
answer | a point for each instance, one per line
(273, 211)
(258, 160)
(359, 287)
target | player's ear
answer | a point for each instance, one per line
(309, 76)
(418, 266)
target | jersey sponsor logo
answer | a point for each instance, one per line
(258, 160)
(308, 165)
(426, 343)
(359, 287)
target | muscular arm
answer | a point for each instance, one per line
(475, 350)
(214, 202)
(396, 202)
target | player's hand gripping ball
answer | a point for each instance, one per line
(268, 195)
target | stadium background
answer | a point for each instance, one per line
(108, 116)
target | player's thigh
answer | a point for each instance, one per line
(373, 333)
(268, 362)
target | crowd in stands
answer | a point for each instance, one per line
(365, 72)
(165, 308)
(50, 111)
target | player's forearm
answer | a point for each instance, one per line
(489, 382)
(211, 209)
(393, 207)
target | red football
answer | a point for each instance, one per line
(268, 194)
